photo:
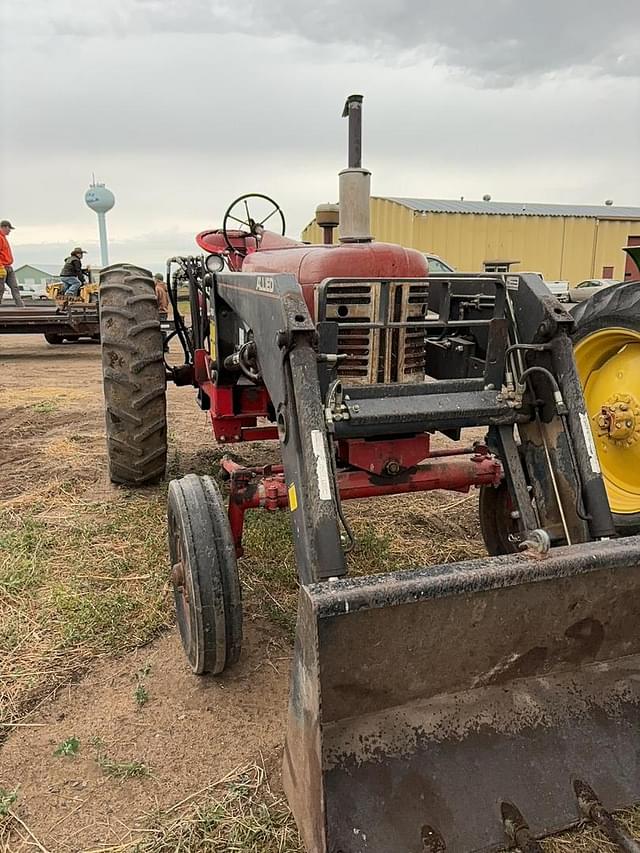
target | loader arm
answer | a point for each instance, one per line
(407, 685)
(285, 338)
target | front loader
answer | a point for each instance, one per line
(458, 707)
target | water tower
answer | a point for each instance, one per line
(100, 199)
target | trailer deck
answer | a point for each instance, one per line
(76, 320)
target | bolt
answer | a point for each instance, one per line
(515, 515)
(356, 409)
(392, 467)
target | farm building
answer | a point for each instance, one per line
(569, 242)
(28, 274)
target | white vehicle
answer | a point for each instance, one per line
(436, 264)
(40, 291)
(560, 289)
(588, 287)
(26, 291)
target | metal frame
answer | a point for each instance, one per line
(510, 326)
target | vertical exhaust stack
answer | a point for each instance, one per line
(355, 182)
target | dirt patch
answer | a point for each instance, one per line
(189, 731)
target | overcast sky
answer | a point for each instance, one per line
(182, 105)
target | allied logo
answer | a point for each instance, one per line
(265, 284)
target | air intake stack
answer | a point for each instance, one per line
(355, 182)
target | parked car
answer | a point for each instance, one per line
(40, 291)
(560, 289)
(436, 264)
(26, 291)
(588, 287)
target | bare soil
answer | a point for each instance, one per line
(191, 730)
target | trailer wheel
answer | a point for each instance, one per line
(133, 375)
(607, 352)
(496, 524)
(53, 339)
(204, 575)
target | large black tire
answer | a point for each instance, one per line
(134, 376)
(204, 574)
(614, 308)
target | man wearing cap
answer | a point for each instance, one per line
(7, 275)
(161, 295)
(72, 275)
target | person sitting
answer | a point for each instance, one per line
(72, 275)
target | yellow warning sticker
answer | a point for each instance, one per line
(212, 341)
(293, 498)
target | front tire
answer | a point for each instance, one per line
(498, 527)
(133, 376)
(607, 352)
(204, 575)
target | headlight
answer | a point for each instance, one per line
(214, 263)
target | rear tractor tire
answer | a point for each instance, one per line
(607, 352)
(133, 375)
(204, 575)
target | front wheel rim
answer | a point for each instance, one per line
(608, 363)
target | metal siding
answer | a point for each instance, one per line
(391, 223)
(611, 237)
(560, 247)
(577, 254)
(311, 233)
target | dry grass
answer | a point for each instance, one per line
(81, 579)
(240, 813)
(78, 579)
(237, 814)
(401, 532)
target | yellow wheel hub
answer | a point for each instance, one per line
(608, 363)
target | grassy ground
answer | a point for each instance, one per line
(78, 579)
(81, 579)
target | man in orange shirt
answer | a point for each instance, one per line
(7, 275)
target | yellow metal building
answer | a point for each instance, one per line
(563, 242)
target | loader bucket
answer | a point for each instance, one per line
(423, 701)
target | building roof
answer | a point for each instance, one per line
(47, 269)
(510, 208)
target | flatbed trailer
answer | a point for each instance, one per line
(60, 324)
(56, 324)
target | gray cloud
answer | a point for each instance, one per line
(182, 106)
(496, 41)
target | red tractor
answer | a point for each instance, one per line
(441, 707)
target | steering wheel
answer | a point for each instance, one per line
(239, 212)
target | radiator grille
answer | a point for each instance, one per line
(378, 352)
